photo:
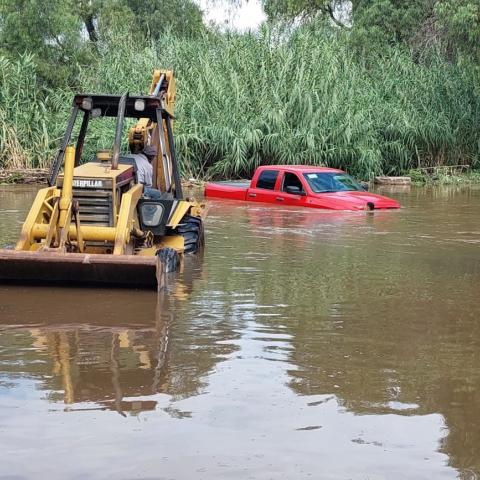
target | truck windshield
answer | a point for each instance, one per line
(331, 182)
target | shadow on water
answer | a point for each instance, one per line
(303, 342)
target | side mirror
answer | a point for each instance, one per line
(295, 190)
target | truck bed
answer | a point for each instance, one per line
(231, 190)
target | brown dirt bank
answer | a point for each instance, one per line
(24, 175)
(40, 175)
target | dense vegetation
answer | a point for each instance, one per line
(366, 97)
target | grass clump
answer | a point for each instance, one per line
(444, 176)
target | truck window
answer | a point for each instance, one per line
(267, 179)
(291, 180)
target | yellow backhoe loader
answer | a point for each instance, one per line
(94, 224)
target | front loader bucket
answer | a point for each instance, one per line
(79, 268)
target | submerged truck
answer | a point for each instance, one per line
(302, 186)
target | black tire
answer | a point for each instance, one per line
(191, 229)
(170, 259)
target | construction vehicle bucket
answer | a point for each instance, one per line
(80, 268)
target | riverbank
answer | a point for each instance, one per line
(24, 176)
(31, 176)
(444, 176)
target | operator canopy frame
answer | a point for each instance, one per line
(136, 106)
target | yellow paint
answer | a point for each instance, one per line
(148, 252)
(52, 229)
(176, 242)
(155, 78)
(89, 232)
(63, 231)
(124, 339)
(67, 188)
(171, 90)
(182, 208)
(100, 170)
(36, 215)
(64, 359)
(125, 220)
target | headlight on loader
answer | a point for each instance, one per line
(152, 214)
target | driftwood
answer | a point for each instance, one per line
(192, 183)
(393, 180)
(24, 175)
(446, 169)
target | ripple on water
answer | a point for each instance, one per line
(305, 342)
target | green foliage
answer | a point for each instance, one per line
(444, 176)
(392, 21)
(250, 99)
(450, 25)
(31, 122)
(289, 96)
(148, 18)
(461, 21)
(154, 17)
(291, 9)
(50, 30)
(62, 34)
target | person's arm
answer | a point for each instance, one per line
(149, 176)
(141, 176)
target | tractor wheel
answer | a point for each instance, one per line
(191, 229)
(170, 259)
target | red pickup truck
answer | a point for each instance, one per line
(302, 186)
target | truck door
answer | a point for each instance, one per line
(292, 191)
(264, 190)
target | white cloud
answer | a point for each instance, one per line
(246, 16)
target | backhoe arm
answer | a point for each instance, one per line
(166, 177)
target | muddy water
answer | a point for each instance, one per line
(303, 345)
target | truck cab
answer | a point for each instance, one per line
(281, 186)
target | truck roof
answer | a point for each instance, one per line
(300, 168)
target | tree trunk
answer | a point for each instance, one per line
(90, 25)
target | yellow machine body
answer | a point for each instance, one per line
(89, 226)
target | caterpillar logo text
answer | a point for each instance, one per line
(88, 183)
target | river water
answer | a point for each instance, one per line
(303, 345)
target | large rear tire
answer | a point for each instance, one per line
(191, 229)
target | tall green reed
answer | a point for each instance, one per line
(30, 117)
(291, 98)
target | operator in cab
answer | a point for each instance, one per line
(143, 162)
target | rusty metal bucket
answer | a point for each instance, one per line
(79, 268)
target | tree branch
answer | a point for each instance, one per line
(329, 11)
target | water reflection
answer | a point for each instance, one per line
(15, 201)
(104, 349)
(381, 311)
